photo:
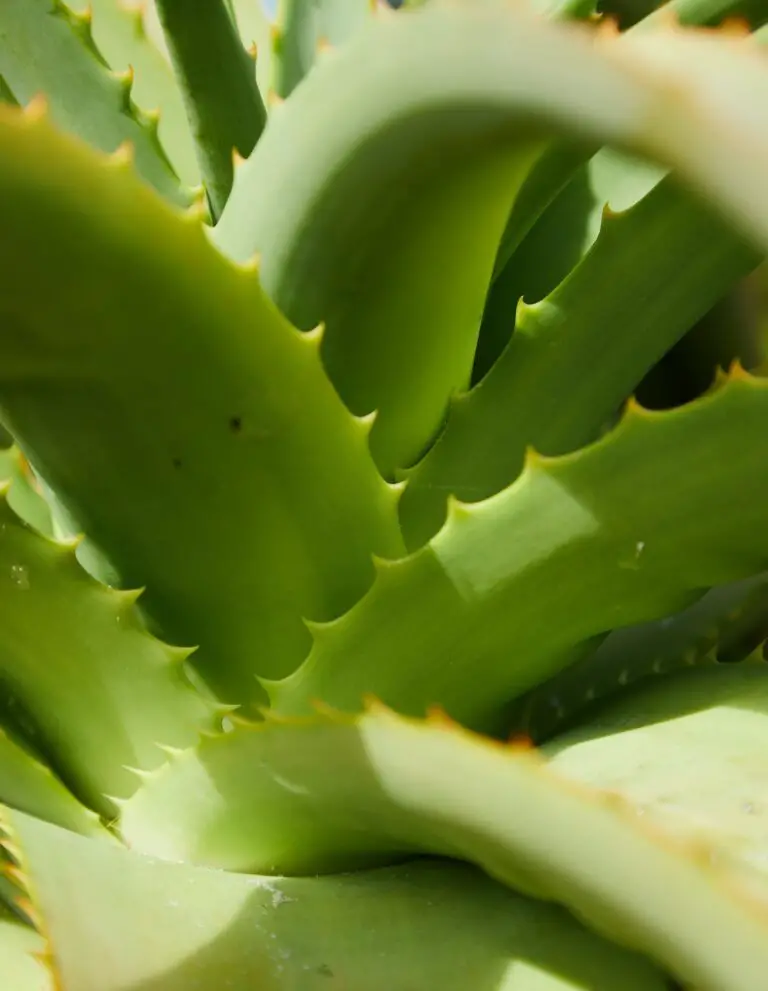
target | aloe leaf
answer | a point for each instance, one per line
(81, 679)
(120, 33)
(302, 26)
(198, 449)
(224, 106)
(24, 494)
(728, 622)
(622, 532)
(46, 48)
(21, 952)
(334, 791)
(653, 271)
(409, 61)
(686, 754)
(172, 927)
(30, 786)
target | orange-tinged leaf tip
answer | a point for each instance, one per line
(609, 214)
(735, 26)
(37, 108)
(274, 100)
(608, 27)
(253, 51)
(521, 741)
(437, 716)
(323, 46)
(666, 17)
(237, 159)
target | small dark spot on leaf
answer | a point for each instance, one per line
(236, 424)
(176, 462)
(325, 970)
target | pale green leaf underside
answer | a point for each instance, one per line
(622, 532)
(690, 754)
(116, 920)
(232, 481)
(22, 968)
(327, 794)
(41, 52)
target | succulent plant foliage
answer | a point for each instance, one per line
(358, 628)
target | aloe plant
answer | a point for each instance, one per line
(358, 628)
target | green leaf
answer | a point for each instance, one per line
(81, 680)
(24, 493)
(120, 33)
(302, 26)
(224, 106)
(171, 927)
(687, 753)
(576, 355)
(624, 531)
(21, 953)
(231, 479)
(28, 785)
(45, 48)
(728, 622)
(387, 114)
(331, 792)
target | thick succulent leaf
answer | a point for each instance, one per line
(22, 953)
(28, 785)
(334, 792)
(24, 493)
(302, 26)
(119, 30)
(687, 753)
(81, 679)
(418, 88)
(169, 927)
(622, 532)
(231, 478)
(218, 80)
(577, 354)
(726, 623)
(45, 48)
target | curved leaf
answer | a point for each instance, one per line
(172, 927)
(388, 113)
(331, 792)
